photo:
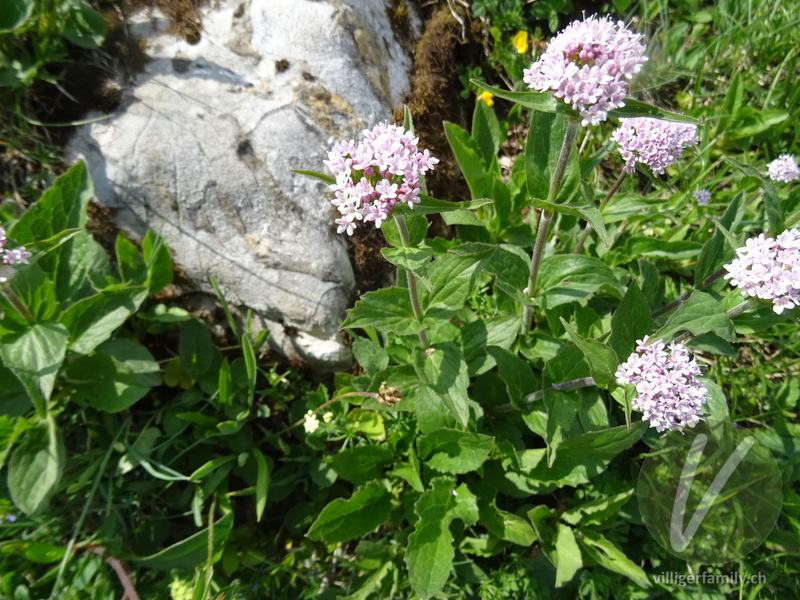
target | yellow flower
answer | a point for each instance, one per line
(487, 97)
(520, 41)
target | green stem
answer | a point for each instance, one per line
(413, 293)
(547, 217)
(588, 229)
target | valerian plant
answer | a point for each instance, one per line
(529, 352)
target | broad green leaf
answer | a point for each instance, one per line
(566, 278)
(429, 554)
(119, 374)
(36, 467)
(131, 265)
(442, 367)
(194, 347)
(606, 554)
(478, 336)
(361, 464)
(772, 202)
(190, 552)
(516, 373)
(93, 320)
(14, 14)
(630, 322)
(368, 422)
(638, 247)
(36, 291)
(716, 404)
(506, 526)
(595, 512)
(561, 409)
(83, 26)
(343, 520)
(388, 310)
(486, 132)
(699, 314)
(451, 277)
(468, 156)
(542, 151)
(601, 359)
(370, 356)
(43, 553)
(538, 101)
(412, 259)
(432, 206)
(635, 108)
(35, 357)
(716, 252)
(466, 506)
(567, 555)
(417, 226)
(755, 121)
(83, 266)
(453, 451)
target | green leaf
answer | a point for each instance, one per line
(486, 132)
(262, 482)
(43, 553)
(630, 322)
(14, 14)
(606, 554)
(451, 277)
(506, 526)
(595, 512)
(83, 266)
(453, 451)
(566, 278)
(417, 226)
(638, 247)
(93, 320)
(194, 347)
(716, 252)
(516, 373)
(429, 554)
(601, 359)
(716, 404)
(371, 357)
(443, 368)
(387, 310)
(35, 357)
(635, 108)
(343, 520)
(84, 26)
(190, 552)
(539, 101)
(368, 422)
(412, 259)
(158, 261)
(321, 176)
(542, 151)
(699, 314)
(132, 268)
(772, 202)
(36, 467)
(361, 464)
(119, 374)
(468, 156)
(477, 338)
(249, 355)
(432, 206)
(567, 555)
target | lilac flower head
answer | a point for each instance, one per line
(667, 389)
(588, 65)
(374, 175)
(769, 268)
(653, 142)
(784, 168)
(9, 256)
(702, 197)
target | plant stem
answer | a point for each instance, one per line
(412, 280)
(588, 229)
(9, 295)
(327, 404)
(547, 217)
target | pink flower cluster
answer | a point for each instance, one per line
(668, 391)
(784, 168)
(769, 268)
(653, 142)
(588, 65)
(9, 256)
(372, 176)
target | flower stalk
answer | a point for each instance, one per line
(547, 216)
(411, 277)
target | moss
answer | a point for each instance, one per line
(400, 20)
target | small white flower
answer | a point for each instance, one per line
(311, 423)
(327, 417)
(702, 197)
(784, 168)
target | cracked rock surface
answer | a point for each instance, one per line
(203, 145)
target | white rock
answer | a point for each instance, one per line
(203, 146)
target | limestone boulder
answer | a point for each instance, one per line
(203, 146)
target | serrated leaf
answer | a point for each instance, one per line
(36, 467)
(412, 259)
(567, 278)
(453, 451)
(506, 526)
(361, 464)
(442, 367)
(387, 309)
(699, 314)
(343, 520)
(601, 359)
